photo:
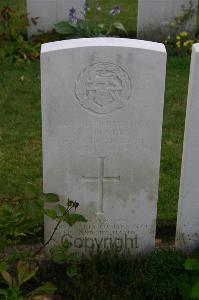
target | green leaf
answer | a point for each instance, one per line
(25, 271)
(195, 291)
(71, 270)
(71, 219)
(3, 241)
(46, 288)
(4, 293)
(62, 209)
(52, 198)
(184, 286)
(101, 26)
(3, 266)
(15, 293)
(72, 258)
(59, 253)
(34, 210)
(81, 24)
(119, 26)
(192, 264)
(64, 28)
(7, 277)
(51, 213)
(30, 191)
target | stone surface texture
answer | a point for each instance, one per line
(187, 235)
(50, 12)
(102, 110)
(155, 16)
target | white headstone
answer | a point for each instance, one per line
(155, 17)
(102, 110)
(49, 12)
(187, 234)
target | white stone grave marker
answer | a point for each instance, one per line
(155, 16)
(102, 110)
(187, 234)
(50, 12)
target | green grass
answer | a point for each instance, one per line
(20, 122)
(173, 132)
(20, 142)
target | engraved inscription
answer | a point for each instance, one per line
(87, 244)
(100, 180)
(103, 87)
(103, 137)
(91, 237)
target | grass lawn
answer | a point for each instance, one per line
(20, 124)
(173, 133)
(128, 15)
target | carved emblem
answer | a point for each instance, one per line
(103, 87)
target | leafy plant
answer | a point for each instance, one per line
(76, 28)
(60, 253)
(25, 268)
(24, 272)
(162, 276)
(13, 42)
(15, 227)
(12, 24)
(180, 42)
(180, 45)
(24, 217)
(181, 21)
(21, 217)
(189, 282)
(61, 214)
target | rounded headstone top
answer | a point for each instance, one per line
(102, 42)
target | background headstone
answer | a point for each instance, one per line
(155, 16)
(187, 235)
(50, 12)
(102, 110)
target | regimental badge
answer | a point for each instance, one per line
(103, 88)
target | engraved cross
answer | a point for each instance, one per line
(100, 180)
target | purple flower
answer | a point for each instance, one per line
(115, 11)
(72, 18)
